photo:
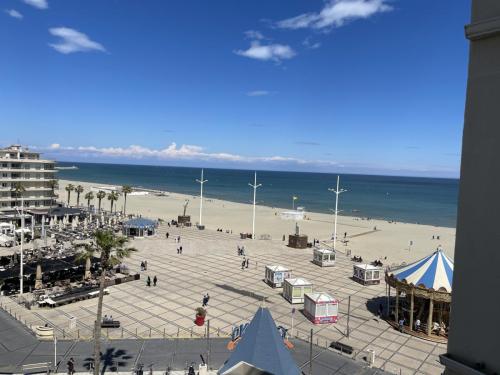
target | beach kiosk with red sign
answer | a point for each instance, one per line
(321, 308)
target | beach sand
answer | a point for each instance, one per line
(390, 240)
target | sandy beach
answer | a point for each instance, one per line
(390, 240)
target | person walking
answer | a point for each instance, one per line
(243, 263)
(247, 262)
(155, 280)
(148, 281)
(145, 265)
(180, 250)
(166, 235)
(71, 366)
(401, 324)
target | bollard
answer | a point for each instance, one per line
(136, 332)
(63, 334)
(122, 332)
(149, 331)
(191, 331)
(178, 329)
(78, 333)
(163, 332)
(218, 332)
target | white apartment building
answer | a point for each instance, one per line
(20, 166)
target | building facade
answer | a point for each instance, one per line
(473, 346)
(25, 176)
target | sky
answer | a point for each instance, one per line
(349, 86)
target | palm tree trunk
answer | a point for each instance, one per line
(78, 200)
(68, 197)
(97, 327)
(99, 205)
(111, 206)
(125, 205)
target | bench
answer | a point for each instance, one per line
(28, 368)
(110, 324)
(343, 348)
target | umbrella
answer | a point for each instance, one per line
(38, 280)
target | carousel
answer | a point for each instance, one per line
(423, 296)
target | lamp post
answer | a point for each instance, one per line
(201, 182)
(255, 186)
(21, 271)
(337, 192)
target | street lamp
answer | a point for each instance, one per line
(255, 186)
(201, 182)
(21, 276)
(337, 191)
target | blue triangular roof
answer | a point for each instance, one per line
(262, 347)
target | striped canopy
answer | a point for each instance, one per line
(432, 272)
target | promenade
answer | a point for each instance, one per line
(210, 264)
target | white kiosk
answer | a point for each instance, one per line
(367, 274)
(275, 275)
(294, 289)
(321, 308)
(324, 257)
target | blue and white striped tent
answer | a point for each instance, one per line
(432, 272)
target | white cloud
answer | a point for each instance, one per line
(254, 34)
(73, 41)
(310, 44)
(269, 52)
(258, 93)
(335, 14)
(14, 13)
(174, 152)
(40, 4)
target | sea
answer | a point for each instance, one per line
(431, 201)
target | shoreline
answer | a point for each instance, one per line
(390, 240)
(209, 196)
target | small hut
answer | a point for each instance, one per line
(294, 289)
(321, 308)
(324, 257)
(139, 227)
(423, 295)
(367, 274)
(275, 275)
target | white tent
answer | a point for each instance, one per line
(294, 289)
(324, 257)
(275, 275)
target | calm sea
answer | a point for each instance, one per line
(408, 199)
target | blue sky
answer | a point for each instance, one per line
(360, 86)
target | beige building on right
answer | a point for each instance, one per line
(474, 339)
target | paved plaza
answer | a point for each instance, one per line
(210, 263)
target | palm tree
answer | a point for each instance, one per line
(69, 188)
(18, 189)
(126, 189)
(79, 190)
(113, 197)
(100, 195)
(112, 251)
(89, 196)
